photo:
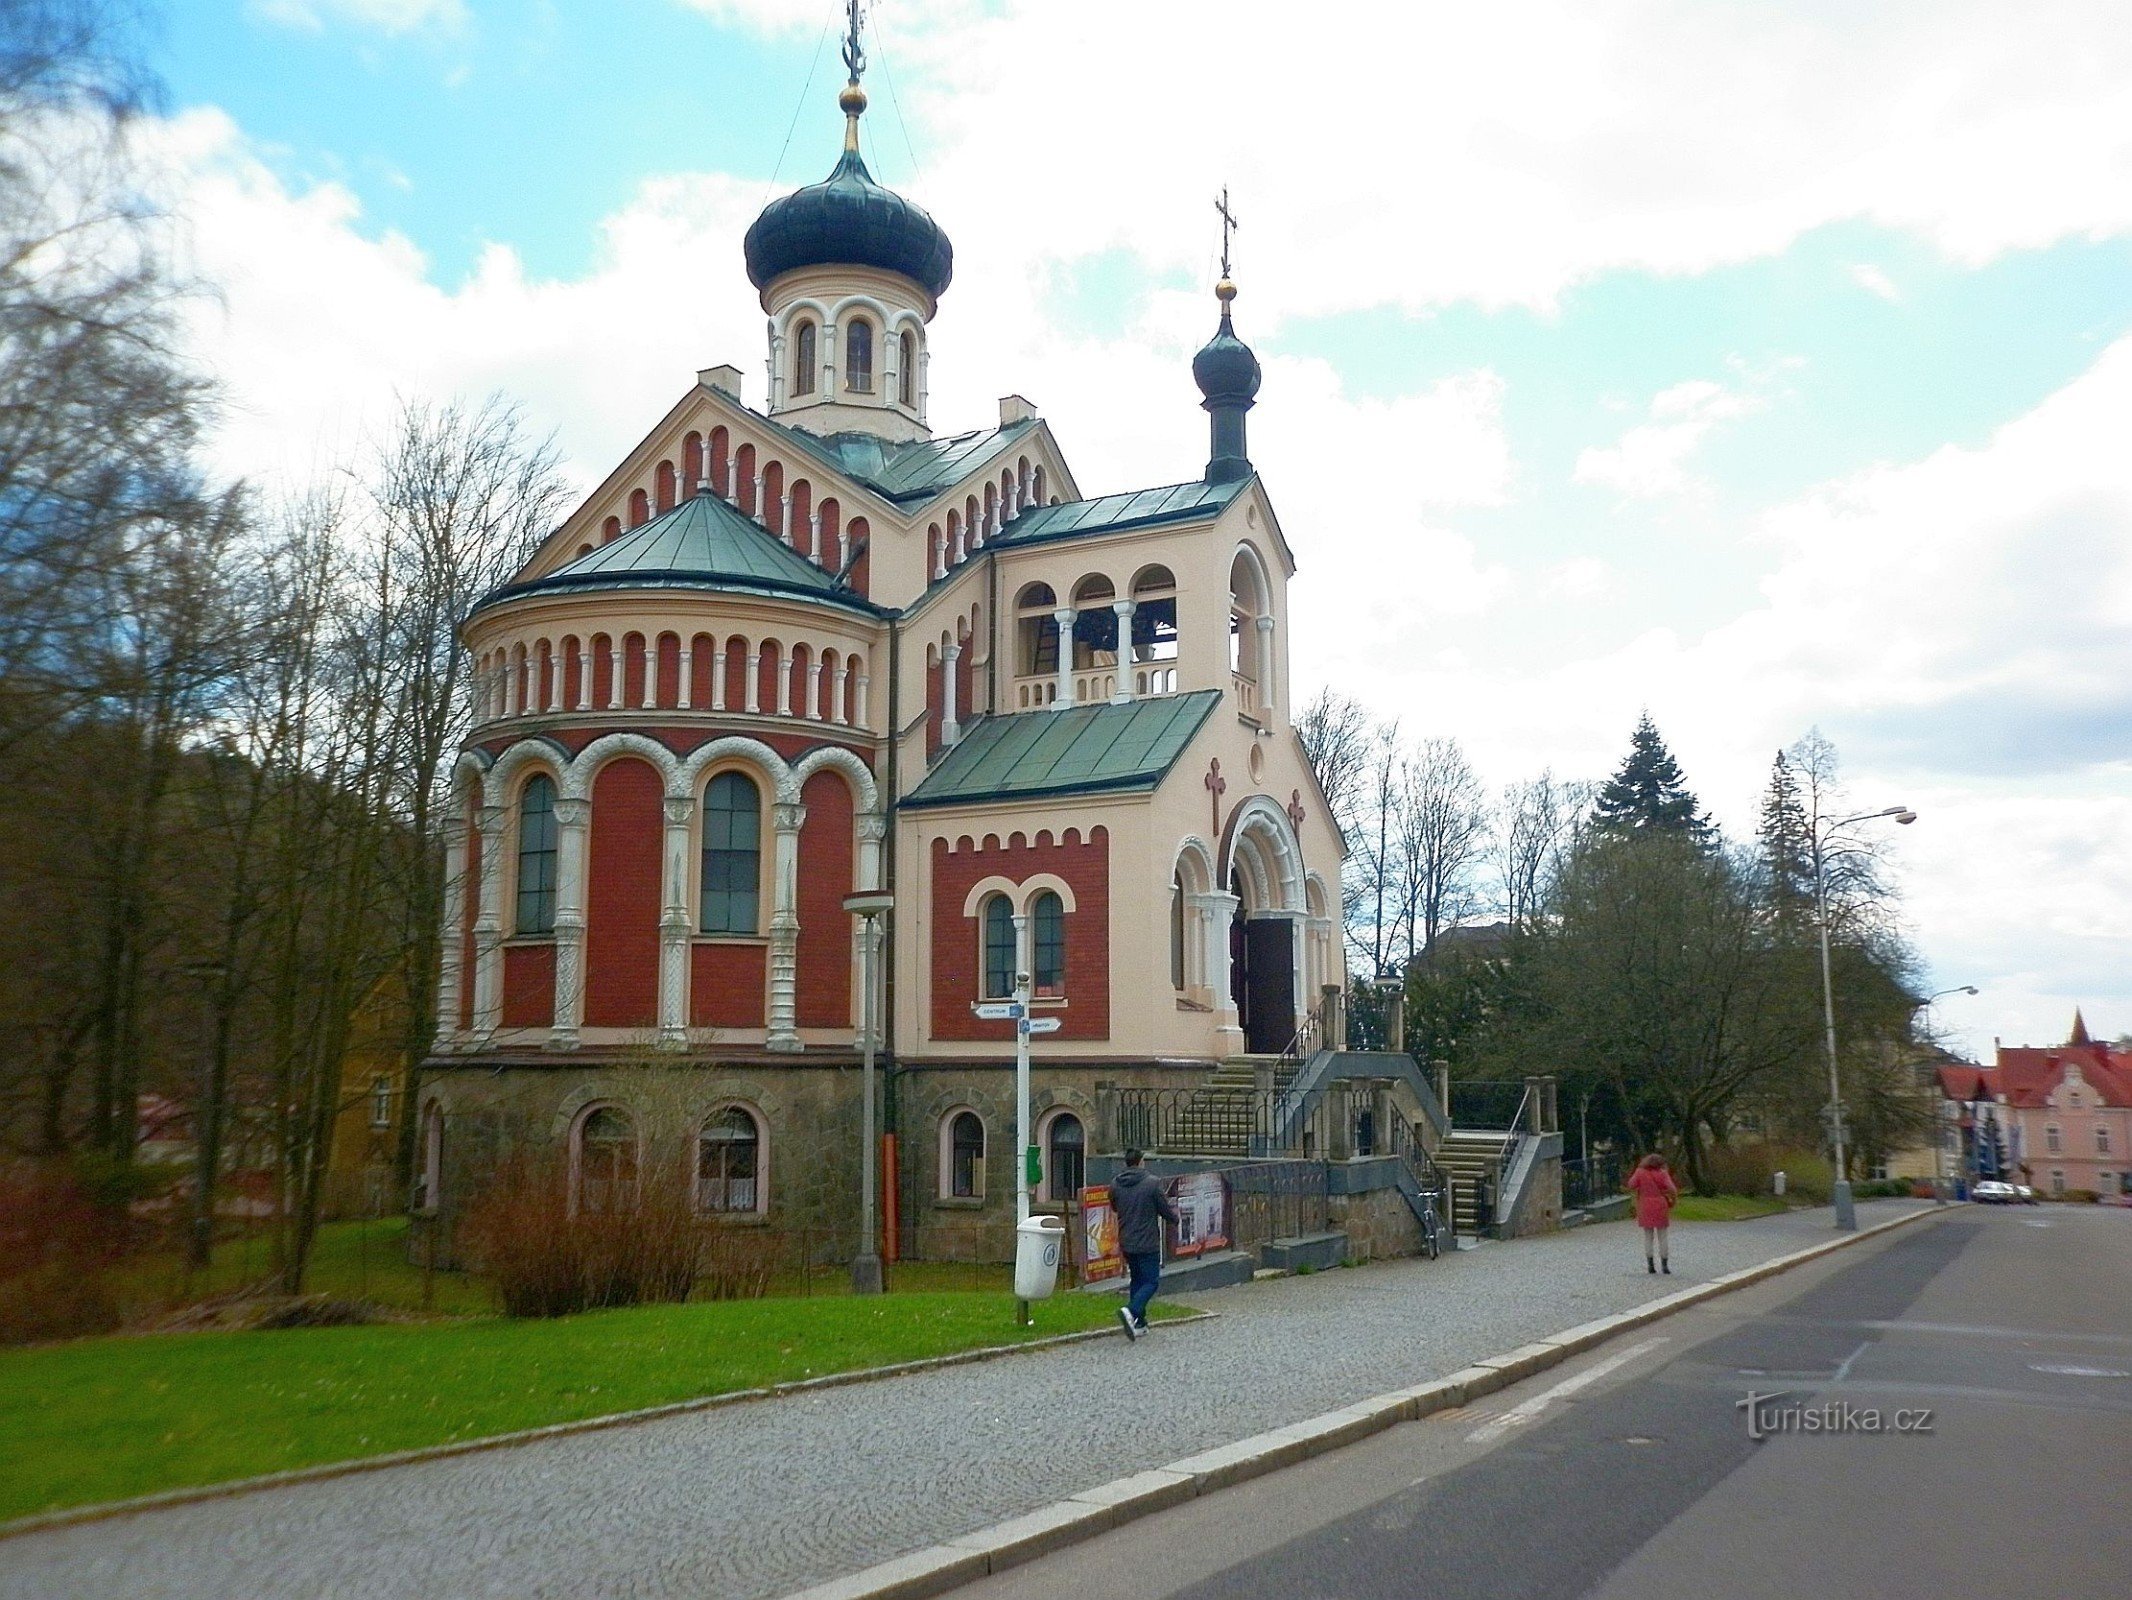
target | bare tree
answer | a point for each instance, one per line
(1537, 823)
(1339, 736)
(1441, 830)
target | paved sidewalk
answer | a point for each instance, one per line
(758, 1500)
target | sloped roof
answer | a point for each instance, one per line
(2027, 1075)
(1039, 754)
(1177, 502)
(914, 470)
(702, 543)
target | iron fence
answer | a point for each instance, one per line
(1342, 1119)
(1271, 1200)
(1484, 1104)
(1591, 1180)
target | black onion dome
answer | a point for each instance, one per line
(1225, 369)
(849, 220)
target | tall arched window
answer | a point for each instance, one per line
(966, 1157)
(999, 948)
(1065, 1145)
(1177, 931)
(536, 858)
(606, 1163)
(1047, 923)
(732, 854)
(804, 359)
(859, 356)
(728, 1163)
(907, 368)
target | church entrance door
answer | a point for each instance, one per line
(1267, 998)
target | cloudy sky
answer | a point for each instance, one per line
(1767, 366)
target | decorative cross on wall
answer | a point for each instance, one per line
(1217, 785)
(1295, 809)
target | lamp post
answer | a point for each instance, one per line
(1939, 1121)
(1846, 1215)
(869, 909)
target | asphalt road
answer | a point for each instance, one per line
(1631, 1472)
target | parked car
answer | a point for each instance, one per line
(1991, 1192)
(2026, 1195)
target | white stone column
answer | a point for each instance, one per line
(674, 925)
(651, 672)
(553, 699)
(843, 544)
(488, 929)
(1218, 914)
(1064, 618)
(814, 688)
(1265, 670)
(784, 684)
(814, 537)
(718, 676)
(614, 674)
(777, 367)
(584, 675)
(940, 553)
(950, 728)
(836, 688)
(873, 828)
(762, 509)
(784, 517)
(688, 673)
(573, 819)
(962, 544)
(862, 717)
(786, 819)
(1124, 691)
(451, 967)
(752, 696)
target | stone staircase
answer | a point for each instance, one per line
(1225, 1114)
(1471, 1157)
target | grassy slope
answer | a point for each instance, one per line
(1725, 1207)
(101, 1419)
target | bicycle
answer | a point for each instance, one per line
(1432, 1227)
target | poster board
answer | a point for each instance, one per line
(1101, 1258)
(1202, 1202)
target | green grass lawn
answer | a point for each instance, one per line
(1725, 1207)
(103, 1419)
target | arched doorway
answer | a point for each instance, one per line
(1265, 960)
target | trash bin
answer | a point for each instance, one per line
(1777, 1184)
(1037, 1244)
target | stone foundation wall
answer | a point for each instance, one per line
(1378, 1224)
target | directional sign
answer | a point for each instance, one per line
(998, 1011)
(1041, 1025)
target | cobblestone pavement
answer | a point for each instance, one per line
(759, 1499)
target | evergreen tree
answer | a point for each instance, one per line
(1649, 792)
(1787, 844)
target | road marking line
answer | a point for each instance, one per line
(1525, 1410)
(1843, 1368)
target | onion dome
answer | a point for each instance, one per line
(1225, 369)
(848, 220)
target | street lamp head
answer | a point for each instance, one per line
(1902, 814)
(1967, 988)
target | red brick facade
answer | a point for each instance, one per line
(622, 896)
(825, 877)
(529, 985)
(1083, 864)
(728, 985)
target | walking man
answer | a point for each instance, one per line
(1137, 1198)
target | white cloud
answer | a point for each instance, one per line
(1871, 279)
(387, 16)
(1650, 461)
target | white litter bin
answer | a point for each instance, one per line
(1776, 1184)
(1037, 1244)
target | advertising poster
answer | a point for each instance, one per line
(1100, 1256)
(1202, 1202)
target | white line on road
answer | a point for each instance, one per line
(1525, 1410)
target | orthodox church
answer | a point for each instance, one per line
(810, 648)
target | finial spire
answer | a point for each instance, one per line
(853, 98)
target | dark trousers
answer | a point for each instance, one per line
(1146, 1269)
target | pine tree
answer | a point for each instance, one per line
(1787, 843)
(1649, 791)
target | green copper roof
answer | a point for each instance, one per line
(1179, 502)
(702, 543)
(915, 470)
(1037, 754)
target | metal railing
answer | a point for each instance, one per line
(1277, 1200)
(1245, 1123)
(1483, 1104)
(1589, 1181)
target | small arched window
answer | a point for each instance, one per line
(1047, 926)
(966, 1156)
(606, 1161)
(859, 356)
(536, 859)
(907, 368)
(999, 948)
(1065, 1146)
(732, 854)
(729, 1163)
(804, 359)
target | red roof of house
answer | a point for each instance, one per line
(2026, 1074)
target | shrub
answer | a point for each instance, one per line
(1750, 1168)
(2078, 1197)
(59, 1235)
(736, 1263)
(546, 1260)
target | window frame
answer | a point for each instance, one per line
(906, 369)
(806, 357)
(859, 343)
(958, 1182)
(727, 853)
(757, 1179)
(1055, 988)
(626, 1186)
(988, 948)
(1047, 1142)
(380, 1100)
(540, 848)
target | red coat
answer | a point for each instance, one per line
(1655, 1192)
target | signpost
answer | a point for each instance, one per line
(1016, 1011)
(866, 1265)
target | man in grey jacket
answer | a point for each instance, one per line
(1136, 1195)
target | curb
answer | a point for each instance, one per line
(942, 1567)
(105, 1510)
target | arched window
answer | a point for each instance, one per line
(965, 1173)
(859, 356)
(907, 368)
(1065, 1144)
(606, 1160)
(732, 854)
(803, 359)
(729, 1163)
(431, 1194)
(1039, 632)
(1177, 931)
(1047, 924)
(536, 858)
(999, 948)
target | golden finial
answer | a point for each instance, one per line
(1225, 291)
(852, 100)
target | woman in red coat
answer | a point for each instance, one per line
(1655, 1192)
